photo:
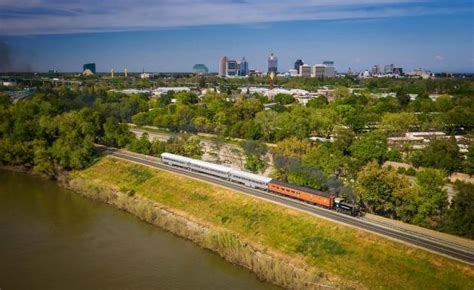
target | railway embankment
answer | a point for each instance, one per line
(286, 247)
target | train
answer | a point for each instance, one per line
(308, 195)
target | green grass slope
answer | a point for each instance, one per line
(333, 249)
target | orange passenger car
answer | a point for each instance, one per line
(302, 193)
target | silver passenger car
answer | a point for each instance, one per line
(209, 168)
(237, 176)
(175, 160)
(249, 179)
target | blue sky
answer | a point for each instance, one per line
(172, 35)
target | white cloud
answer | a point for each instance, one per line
(63, 16)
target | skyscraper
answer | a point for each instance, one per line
(231, 68)
(305, 71)
(325, 70)
(200, 69)
(298, 64)
(398, 71)
(222, 66)
(388, 69)
(272, 63)
(376, 70)
(328, 63)
(89, 66)
(244, 67)
(318, 71)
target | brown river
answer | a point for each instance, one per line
(51, 238)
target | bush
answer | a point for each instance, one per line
(411, 171)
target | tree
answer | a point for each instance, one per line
(192, 147)
(342, 92)
(254, 151)
(140, 145)
(443, 103)
(253, 147)
(266, 121)
(312, 177)
(292, 147)
(459, 117)
(254, 164)
(370, 146)
(202, 82)
(284, 99)
(74, 146)
(186, 98)
(403, 98)
(427, 203)
(329, 161)
(380, 189)
(318, 102)
(469, 163)
(398, 122)
(43, 159)
(460, 217)
(394, 155)
(165, 99)
(343, 138)
(116, 134)
(321, 121)
(202, 124)
(441, 154)
(292, 124)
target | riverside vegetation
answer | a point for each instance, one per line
(55, 130)
(286, 247)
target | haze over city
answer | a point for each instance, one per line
(171, 36)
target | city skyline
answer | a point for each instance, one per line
(435, 35)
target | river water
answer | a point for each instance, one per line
(51, 238)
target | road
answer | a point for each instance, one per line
(426, 242)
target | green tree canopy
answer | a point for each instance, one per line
(398, 123)
(441, 154)
(460, 217)
(284, 99)
(370, 146)
(380, 189)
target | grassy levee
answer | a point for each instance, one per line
(251, 232)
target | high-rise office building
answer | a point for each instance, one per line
(89, 66)
(200, 69)
(328, 63)
(329, 71)
(231, 68)
(272, 63)
(222, 66)
(398, 71)
(324, 70)
(298, 64)
(318, 71)
(305, 70)
(244, 67)
(376, 70)
(388, 69)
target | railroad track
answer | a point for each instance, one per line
(419, 240)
